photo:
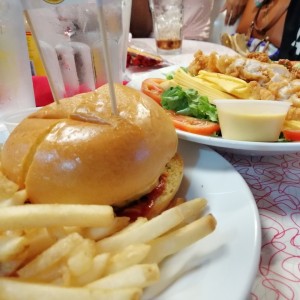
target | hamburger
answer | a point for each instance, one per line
(78, 152)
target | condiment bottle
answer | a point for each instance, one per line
(36, 64)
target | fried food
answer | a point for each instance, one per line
(84, 251)
(260, 56)
(268, 80)
(200, 62)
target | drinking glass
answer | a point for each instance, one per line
(167, 21)
(71, 44)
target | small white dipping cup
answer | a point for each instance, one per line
(251, 120)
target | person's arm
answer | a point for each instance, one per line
(141, 19)
(234, 8)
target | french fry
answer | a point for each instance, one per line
(59, 232)
(176, 202)
(18, 198)
(50, 256)
(116, 294)
(65, 279)
(81, 258)
(38, 241)
(97, 269)
(144, 233)
(178, 239)
(97, 233)
(130, 255)
(44, 215)
(85, 252)
(17, 290)
(50, 274)
(135, 276)
(79, 261)
(192, 209)
(11, 247)
(134, 225)
(7, 188)
(10, 267)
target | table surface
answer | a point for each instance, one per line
(275, 184)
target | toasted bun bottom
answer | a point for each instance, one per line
(158, 199)
(78, 151)
(174, 174)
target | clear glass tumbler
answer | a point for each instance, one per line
(167, 21)
(71, 44)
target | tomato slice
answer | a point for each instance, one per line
(151, 87)
(292, 134)
(193, 125)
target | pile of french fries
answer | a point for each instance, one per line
(85, 252)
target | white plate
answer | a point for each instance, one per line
(229, 272)
(240, 147)
(189, 48)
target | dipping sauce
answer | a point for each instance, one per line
(251, 120)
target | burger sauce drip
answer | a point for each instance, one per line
(142, 207)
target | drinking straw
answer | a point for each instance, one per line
(106, 57)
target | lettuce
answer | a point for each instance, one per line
(189, 103)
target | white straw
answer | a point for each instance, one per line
(106, 57)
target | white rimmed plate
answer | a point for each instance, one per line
(240, 147)
(227, 273)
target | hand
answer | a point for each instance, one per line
(234, 8)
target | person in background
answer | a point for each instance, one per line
(196, 21)
(141, 19)
(234, 9)
(290, 43)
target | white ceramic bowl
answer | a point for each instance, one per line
(12, 119)
(251, 120)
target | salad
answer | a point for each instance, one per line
(188, 100)
(189, 110)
